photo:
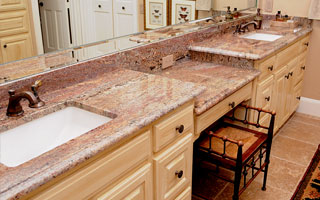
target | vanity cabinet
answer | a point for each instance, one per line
(16, 40)
(155, 163)
(280, 83)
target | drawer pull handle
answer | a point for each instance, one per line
(232, 104)
(287, 76)
(268, 98)
(270, 68)
(99, 6)
(123, 8)
(179, 174)
(291, 73)
(303, 67)
(299, 98)
(180, 129)
(5, 46)
(307, 43)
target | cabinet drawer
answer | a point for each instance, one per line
(88, 180)
(204, 120)
(266, 68)
(137, 186)
(12, 23)
(301, 68)
(173, 127)
(284, 57)
(102, 6)
(304, 44)
(124, 7)
(297, 96)
(185, 195)
(173, 169)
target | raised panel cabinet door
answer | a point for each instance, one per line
(8, 5)
(137, 186)
(280, 94)
(125, 21)
(103, 23)
(14, 22)
(297, 96)
(173, 169)
(16, 47)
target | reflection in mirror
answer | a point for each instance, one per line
(63, 32)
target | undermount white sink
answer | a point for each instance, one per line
(34, 138)
(262, 36)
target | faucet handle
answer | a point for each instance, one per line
(12, 92)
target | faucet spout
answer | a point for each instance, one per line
(14, 107)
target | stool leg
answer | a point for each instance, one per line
(236, 188)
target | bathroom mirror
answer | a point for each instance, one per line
(41, 35)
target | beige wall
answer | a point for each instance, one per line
(311, 88)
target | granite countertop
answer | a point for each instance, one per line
(230, 44)
(132, 99)
(220, 81)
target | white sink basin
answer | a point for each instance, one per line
(262, 36)
(34, 138)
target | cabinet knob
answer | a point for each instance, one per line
(123, 8)
(299, 98)
(270, 68)
(180, 128)
(268, 98)
(179, 174)
(41, 4)
(291, 73)
(99, 6)
(307, 43)
(303, 67)
(232, 104)
(5, 46)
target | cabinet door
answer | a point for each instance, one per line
(16, 47)
(138, 186)
(125, 21)
(103, 20)
(280, 95)
(173, 169)
(297, 96)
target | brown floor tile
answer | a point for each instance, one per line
(293, 150)
(299, 130)
(283, 175)
(306, 119)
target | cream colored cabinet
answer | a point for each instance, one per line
(155, 164)
(173, 169)
(283, 74)
(16, 40)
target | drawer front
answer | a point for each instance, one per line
(285, 56)
(173, 169)
(88, 180)
(304, 44)
(102, 6)
(173, 127)
(204, 120)
(137, 186)
(124, 7)
(185, 195)
(14, 23)
(266, 68)
(297, 96)
(301, 68)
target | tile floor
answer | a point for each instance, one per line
(292, 150)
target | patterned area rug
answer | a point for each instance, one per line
(309, 187)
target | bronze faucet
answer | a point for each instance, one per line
(14, 107)
(241, 28)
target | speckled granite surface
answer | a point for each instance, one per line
(132, 99)
(233, 45)
(220, 81)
